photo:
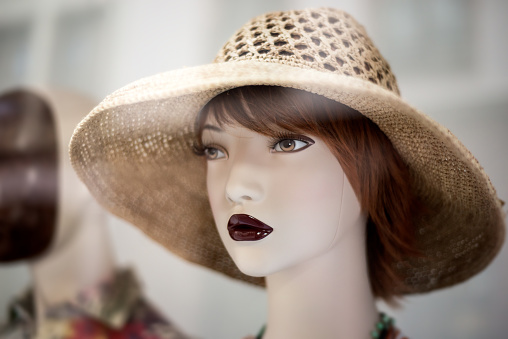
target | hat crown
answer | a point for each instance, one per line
(325, 39)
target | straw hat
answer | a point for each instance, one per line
(134, 150)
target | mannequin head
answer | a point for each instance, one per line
(245, 180)
(337, 147)
(28, 176)
(43, 205)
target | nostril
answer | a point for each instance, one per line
(233, 199)
(236, 196)
(241, 188)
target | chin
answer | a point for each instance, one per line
(254, 263)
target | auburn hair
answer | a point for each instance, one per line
(377, 173)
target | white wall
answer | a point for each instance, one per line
(458, 76)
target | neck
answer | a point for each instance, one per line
(327, 297)
(81, 261)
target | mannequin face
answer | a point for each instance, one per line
(293, 184)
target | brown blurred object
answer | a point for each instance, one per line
(28, 176)
(49, 220)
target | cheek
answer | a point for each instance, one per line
(215, 184)
(314, 192)
(211, 189)
(308, 207)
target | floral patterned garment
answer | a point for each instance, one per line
(111, 310)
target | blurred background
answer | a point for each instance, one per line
(450, 57)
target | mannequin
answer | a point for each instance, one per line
(314, 251)
(49, 218)
(314, 173)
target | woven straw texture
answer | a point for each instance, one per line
(134, 150)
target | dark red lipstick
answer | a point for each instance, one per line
(243, 227)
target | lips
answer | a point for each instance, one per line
(243, 227)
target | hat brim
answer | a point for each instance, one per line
(134, 152)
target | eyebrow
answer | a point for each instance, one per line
(212, 128)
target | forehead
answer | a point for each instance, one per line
(224, 115)
(267, 128)
(228, 131)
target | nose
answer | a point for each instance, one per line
(243, 184)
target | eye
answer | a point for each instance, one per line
(294, 144)
(213, 153)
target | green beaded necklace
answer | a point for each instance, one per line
(261, 333)
(384, 324)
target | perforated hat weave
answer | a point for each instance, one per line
(134, 150)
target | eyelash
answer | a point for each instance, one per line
(281, 136)
(200, 149)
